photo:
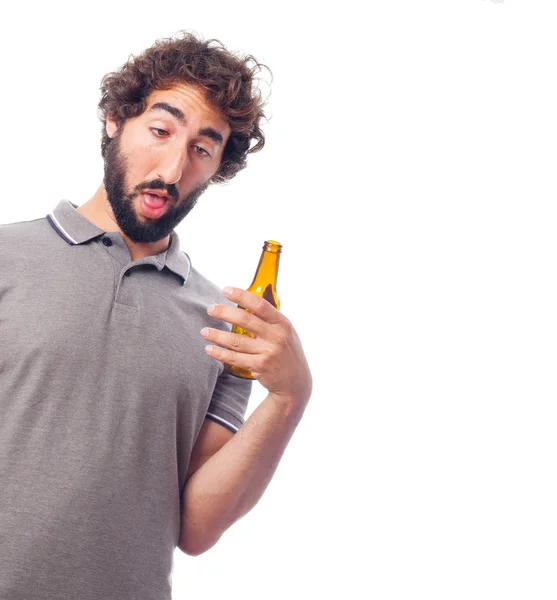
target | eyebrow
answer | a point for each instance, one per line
(209, 132)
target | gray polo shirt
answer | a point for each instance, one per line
(104, 386)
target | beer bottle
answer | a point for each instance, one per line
(264, 284)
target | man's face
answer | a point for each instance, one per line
(174, 148)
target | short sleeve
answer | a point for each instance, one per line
(229, 401)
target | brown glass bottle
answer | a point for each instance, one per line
(264, 284)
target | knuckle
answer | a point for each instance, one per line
(284, 333)
(246, 319)
(235, 341)
(260, 364)
(287, 327)
(261, 304)
(265, 358)
(281, 338)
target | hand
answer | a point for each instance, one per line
(274, 355)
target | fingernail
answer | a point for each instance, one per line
(228, 290)
(211, 308)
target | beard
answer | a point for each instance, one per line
(141, 229)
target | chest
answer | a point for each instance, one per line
(137, 338)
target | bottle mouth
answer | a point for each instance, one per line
(273, 243)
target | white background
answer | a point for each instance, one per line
(410, 174)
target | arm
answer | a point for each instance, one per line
(231, 482)
(210, 440)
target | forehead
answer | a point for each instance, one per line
(193, 103)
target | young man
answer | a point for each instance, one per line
(121, 434)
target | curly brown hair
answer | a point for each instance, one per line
(227, 79)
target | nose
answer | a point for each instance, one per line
(173, 164)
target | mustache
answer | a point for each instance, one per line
(171, 189)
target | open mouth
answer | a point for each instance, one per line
(153, 206)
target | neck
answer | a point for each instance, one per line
(98, 210)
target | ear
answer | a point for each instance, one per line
(111, 126)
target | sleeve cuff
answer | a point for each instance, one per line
(223, 417)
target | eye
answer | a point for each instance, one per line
(156, 131)
(201, 151)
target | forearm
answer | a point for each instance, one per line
(233, 480)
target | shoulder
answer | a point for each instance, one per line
(23, 227)
(18, 235)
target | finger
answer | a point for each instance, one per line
(233, 341)
(256, 304)
(231, 357)
(243, 318)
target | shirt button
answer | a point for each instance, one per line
(127, 273)
(107, 241)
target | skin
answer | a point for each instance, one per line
(179, 154)
(274, 355)
(157, 151)
(228, 482)
(228, 473)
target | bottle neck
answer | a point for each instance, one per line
(267, 269)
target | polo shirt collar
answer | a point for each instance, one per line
(74, 228)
